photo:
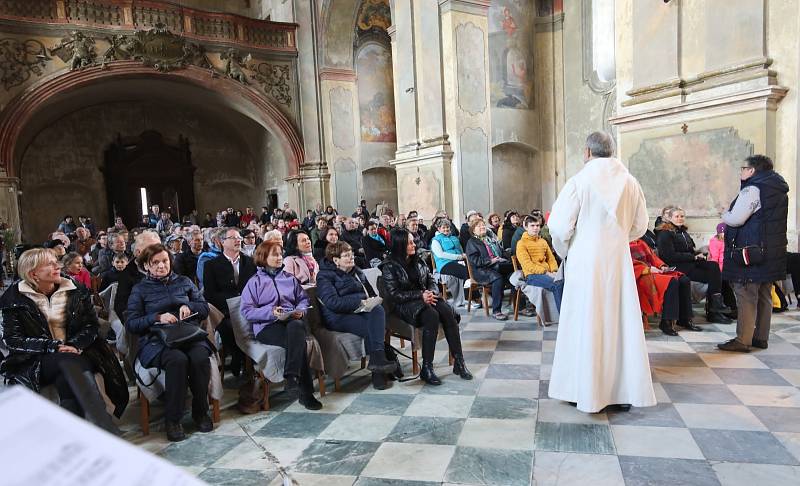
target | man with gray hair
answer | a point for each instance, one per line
(600, 356)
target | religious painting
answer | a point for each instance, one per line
(708, 158)
(376, 93)
(511, 59)
(374, 14)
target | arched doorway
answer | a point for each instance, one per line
(254, 131)
(144, 171)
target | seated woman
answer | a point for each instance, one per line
(164, 297)
(298, 259)
(342, 288)
(375, 248)
(447, 251)
(538, 263)
(73, 268)
(410, 287)
(509, 227)
(494, 222)
(662, 290)
(677, 249)
(327, 236)
(51, 330)
(488, 265)
(268, 295)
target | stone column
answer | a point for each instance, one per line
(314, 173)
(465, 44)
(9, 204)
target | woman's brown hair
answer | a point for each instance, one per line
(148, 252)
(263, 251)
(335, 250)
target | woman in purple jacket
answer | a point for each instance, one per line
(269, 295)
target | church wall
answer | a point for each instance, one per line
(723, 97)
(61, 168)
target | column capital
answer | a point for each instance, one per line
(475, 7)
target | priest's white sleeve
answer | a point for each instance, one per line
(564, 217)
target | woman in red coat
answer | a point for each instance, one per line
(662, 290)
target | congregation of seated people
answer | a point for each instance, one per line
(167, 271)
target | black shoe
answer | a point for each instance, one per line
(667, 328)
(310, 402)
(758, 343)
(624, 407)
(204, 423)
(717, 317)
(427, 375)
(379, 381)
(691, 326)
(460, 368)
(734, 345)
(379, 364)
(717, 304)
(175, 431)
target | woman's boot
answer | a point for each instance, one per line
(667, 327)
(689, 325)
(713, 314)
(427, 374)
(379, 364)
(379, 381)
(460, 368)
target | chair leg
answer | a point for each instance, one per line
(214, 410)
(414, 359)
(144, 416)
(337, 385)
(469, 299)
(517, 294)
(539, 320)
(321, 379)
(402, 343)
(645, 324)
(221, 354)
(264, 392)
(486, 292)
(450, 358)
(363, 362)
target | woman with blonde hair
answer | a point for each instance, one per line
(51, 330)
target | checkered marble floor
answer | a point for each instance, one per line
(722, 419)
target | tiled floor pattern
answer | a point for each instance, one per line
(722, 419)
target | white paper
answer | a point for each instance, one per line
(369, 304)
(48, 446)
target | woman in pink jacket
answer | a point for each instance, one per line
(298, 260)
(716, 246)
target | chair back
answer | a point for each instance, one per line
(514, 262)
(469, 271)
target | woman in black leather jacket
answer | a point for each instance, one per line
(50, 328)
(677, 249)
(410, 289)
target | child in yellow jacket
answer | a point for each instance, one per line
(538, 263)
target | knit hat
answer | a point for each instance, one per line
(721, 228)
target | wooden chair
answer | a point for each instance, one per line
(486, 290)
(442, 285)
(518, 293)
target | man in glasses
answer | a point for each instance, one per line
(224, 277)
(755, 250)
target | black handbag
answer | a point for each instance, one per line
(179, 333)
(748, 256)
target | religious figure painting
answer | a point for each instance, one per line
(511, 64)
(374, 14)
(375, 94)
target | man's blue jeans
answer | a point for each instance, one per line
(546, 282)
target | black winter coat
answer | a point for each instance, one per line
(676, 247)
(341, 293)
(186, 264)
(374, 248)
(484, 271)
(27, 336)
(401, 294)
(152, 297)
(765, 228)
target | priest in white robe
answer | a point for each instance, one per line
(601, 356)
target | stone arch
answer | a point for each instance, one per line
(380, 184)
(16, 129)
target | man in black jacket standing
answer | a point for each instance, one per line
(755, 250)
(224, 277)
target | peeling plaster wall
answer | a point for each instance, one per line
(236, 160)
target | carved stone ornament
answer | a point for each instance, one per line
(19, 60)
(274, 80)
(163, 50)
(76, 50)
(235, 64)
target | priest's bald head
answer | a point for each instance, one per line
(599, 145)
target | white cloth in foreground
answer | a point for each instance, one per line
(601, 356)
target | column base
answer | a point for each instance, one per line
(424, 182)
